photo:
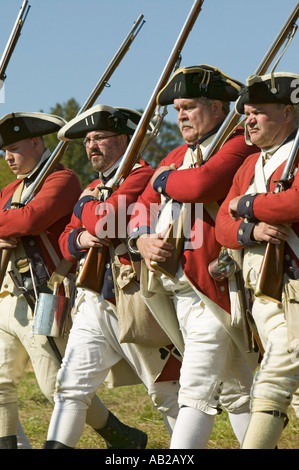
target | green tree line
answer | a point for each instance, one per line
(75, 154)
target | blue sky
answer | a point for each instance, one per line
(66, 45)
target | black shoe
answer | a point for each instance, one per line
(55, 445)
(120, 436)
(8, 442)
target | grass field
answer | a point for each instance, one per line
(133, 406)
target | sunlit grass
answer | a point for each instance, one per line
(133, 406)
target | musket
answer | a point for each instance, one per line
(103, 81)
(61, 147)
(95, 259)
(13, 39)
(131, 154)
(270, 279)
(169, 266)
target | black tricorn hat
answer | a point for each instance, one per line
(276, 87)
(19, 126)
(199, 81)
(101, 118)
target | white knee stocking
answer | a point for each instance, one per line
(66, 426)
(239, 422)
(192, 429)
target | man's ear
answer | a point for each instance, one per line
(123, 139)
(39, 144)
(288, 113)
(217, 108)
(36, 142)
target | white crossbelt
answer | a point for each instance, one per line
(262, 176)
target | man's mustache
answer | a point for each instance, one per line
(185, 124)
(95, 152)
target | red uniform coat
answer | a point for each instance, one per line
(278, 208)
(86, 214)
(205, 184)
(49, 211)
(89, 216)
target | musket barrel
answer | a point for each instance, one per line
(12, 41)
(233, 117)
(289, 166)
(123, 49)
(56, 156)
(140, 132)
(278, 41)
(230, 122)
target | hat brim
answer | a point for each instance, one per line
(275, 88)
(19, 126)
(101, 118)
(199, 81)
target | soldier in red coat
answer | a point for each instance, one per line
(21, 228)
(31, 233)
(252, 215)
(192, 302)
(94, 345)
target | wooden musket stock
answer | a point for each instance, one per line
(61, 147)
(92, 272)
(270, 279)
(130, 157)
(174, 236)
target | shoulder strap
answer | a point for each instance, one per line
(62, 266)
